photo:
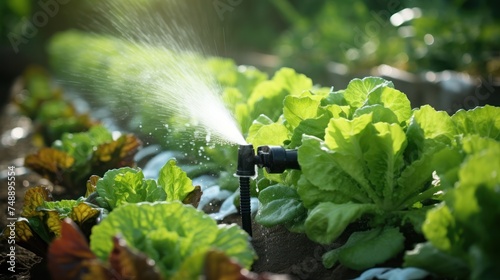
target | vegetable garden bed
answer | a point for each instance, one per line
(381, 183)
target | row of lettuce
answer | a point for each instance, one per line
(368, 159)
(373, 169)
(121, 224)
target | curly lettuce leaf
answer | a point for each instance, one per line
(312, 127)
(127, 185)
(464, 227)
(358, 89)
(117, 153)
(63, 207)
(311, 195)
(392, 99)
(268, 96)
(266, 132)
(482, 121)
(33, 199)
(296, 109)
(371, 154)
(379, 113)
(320, 167)
(170, 233)
(427, 128)
(174, 182)
(414, 182)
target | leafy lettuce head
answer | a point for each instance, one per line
(176, 236)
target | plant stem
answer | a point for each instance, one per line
(420, 197)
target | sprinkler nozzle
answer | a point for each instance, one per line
(246, 161)
(274, 159)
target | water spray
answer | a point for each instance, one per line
(274, 159)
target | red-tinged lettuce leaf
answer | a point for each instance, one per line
(53, 221)
(79, 211)
(69, 256)
(130, 264)
(193, 197)
(170, 233)
(82, 213)
(50, 163)
(116, 154)
(85, 217)
(218, 266)
(34, 198)
(26, 237)
(91, 185)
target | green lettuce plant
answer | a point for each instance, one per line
(461, 232)
(176, 236)
(128, 185)
(41, 215)
(367, 159)
(76, 156)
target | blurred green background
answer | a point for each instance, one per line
(357, 35)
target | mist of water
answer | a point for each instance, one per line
(162, 54)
